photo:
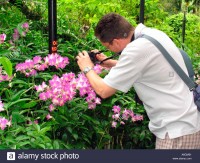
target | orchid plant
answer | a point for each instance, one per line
(3, 121)
(59, 90)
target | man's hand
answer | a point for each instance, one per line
(95, 80)
(83, 60)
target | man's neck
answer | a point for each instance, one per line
(131, 36)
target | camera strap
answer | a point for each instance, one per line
(113, 56)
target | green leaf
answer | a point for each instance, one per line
(44, 130)
(142, 135)
(17, 130)
(9, 104)
(69, 56)
(22, 144)
(18, 118)
(20, 29)
(17, 95)
(22, 137)
(56, 144)
(30, 44)
(69, 129)
(45, 76)
(75, 136)
(63, 117)
(3, 146)
(37, 127)
(64, 137)
(29, 105)
(41, 145)
(10, 139)
(7, 65)
(31, 133)
(20, 82)
(4, 52)
(88, 118)
(114, 100)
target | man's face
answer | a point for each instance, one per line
(112, 46)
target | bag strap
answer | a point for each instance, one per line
(190, 83)
(188, 64)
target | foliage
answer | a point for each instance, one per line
(192, 31)
(7, 65)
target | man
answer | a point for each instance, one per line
(174, 117)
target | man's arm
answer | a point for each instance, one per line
(97, 83)
(100, 87)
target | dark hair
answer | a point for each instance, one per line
(112, 26)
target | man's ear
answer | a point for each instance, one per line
(116, 41)
(120, 43)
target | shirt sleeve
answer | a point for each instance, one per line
(127, 70)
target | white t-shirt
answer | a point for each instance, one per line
(167, 100)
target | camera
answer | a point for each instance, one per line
(93, 57)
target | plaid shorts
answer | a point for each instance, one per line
(191, 141)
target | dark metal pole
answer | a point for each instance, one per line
(142, 4)
(183, 27)
(52, 13)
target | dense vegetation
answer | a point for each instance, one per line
(28, 73)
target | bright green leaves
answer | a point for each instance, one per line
(7, 65)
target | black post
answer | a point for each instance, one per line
(183, 27)
(142, 2)
(52, 12)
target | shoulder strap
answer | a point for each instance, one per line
(172, 62)
(188, 64)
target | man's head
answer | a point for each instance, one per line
(113, 28)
